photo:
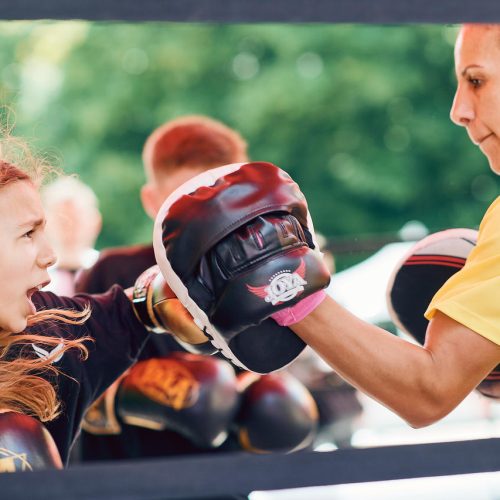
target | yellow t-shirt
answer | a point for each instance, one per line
(472, 296)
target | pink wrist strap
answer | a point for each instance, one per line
(298, 312)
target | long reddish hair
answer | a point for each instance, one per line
(23, 387)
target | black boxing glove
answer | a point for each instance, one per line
(193, 395)
(419, 275)
(277, 414)
(26, 445)
(236, 245)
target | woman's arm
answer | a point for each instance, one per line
(420, 384)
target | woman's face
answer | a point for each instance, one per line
(25, 253)
(477, 99)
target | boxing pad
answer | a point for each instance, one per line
(236, 244)
(193, 395)
(419, 275)
(26, 445)
(277, 413)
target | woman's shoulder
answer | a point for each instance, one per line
(490, 224)
(493, 209)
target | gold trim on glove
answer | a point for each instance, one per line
(101, 418)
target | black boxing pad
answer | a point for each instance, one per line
(236, 244)
(490, 386)
(417, 278)
(421, 273)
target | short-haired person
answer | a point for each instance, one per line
(421, 384)
(172, 154)
(57, 354)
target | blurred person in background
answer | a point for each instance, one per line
(73, 225)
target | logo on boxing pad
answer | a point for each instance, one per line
(283, 285)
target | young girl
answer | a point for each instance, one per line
(57, 354)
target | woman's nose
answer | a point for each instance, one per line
(462, 110)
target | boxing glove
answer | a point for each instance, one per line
(277, 414)
(26, 445)
(193, 395)
(159, 310)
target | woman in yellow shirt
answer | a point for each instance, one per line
(423, 384)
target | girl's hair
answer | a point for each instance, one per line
(22, 385)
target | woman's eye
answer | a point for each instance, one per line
(29, 234)
(475, 82)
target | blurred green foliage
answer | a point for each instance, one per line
(359, 115)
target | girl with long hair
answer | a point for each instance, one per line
(57, 354)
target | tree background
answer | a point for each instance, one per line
(358, 115)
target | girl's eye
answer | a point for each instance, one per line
(29, 234)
